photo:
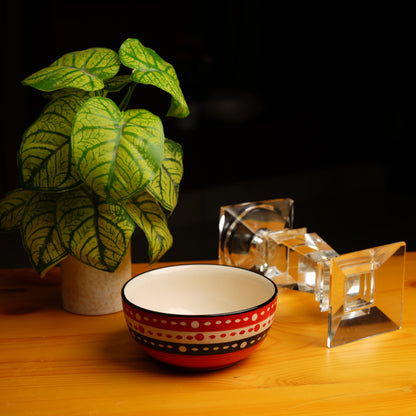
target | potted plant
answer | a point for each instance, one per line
(91, 169)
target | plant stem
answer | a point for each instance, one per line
(126, 99)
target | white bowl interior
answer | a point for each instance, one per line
(199, 289)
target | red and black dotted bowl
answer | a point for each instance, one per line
(199, 316)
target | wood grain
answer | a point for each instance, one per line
(56, 363)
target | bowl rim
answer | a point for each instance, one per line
(209, 315)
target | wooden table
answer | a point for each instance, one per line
(56, 363)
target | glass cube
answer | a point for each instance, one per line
(293, 256)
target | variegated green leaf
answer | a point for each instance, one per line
(165, 185)
(85, 70)
(45, 156)
(149, 68)
(12, 207)
(148, 215)
(117, 83)
(116, 153)
(93, 231)
(69, 91)
(39, 233)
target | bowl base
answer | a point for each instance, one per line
(200, 363)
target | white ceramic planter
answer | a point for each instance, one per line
(88, 291)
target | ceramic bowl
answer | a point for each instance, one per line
(199, 316)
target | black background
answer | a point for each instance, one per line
(308, 102)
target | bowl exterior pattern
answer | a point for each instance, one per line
(199, 341)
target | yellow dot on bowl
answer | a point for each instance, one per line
(243, 344)
(194, 324)
(138, 317)
(254, 317)
(182, 348)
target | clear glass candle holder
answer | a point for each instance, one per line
(362, 291)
